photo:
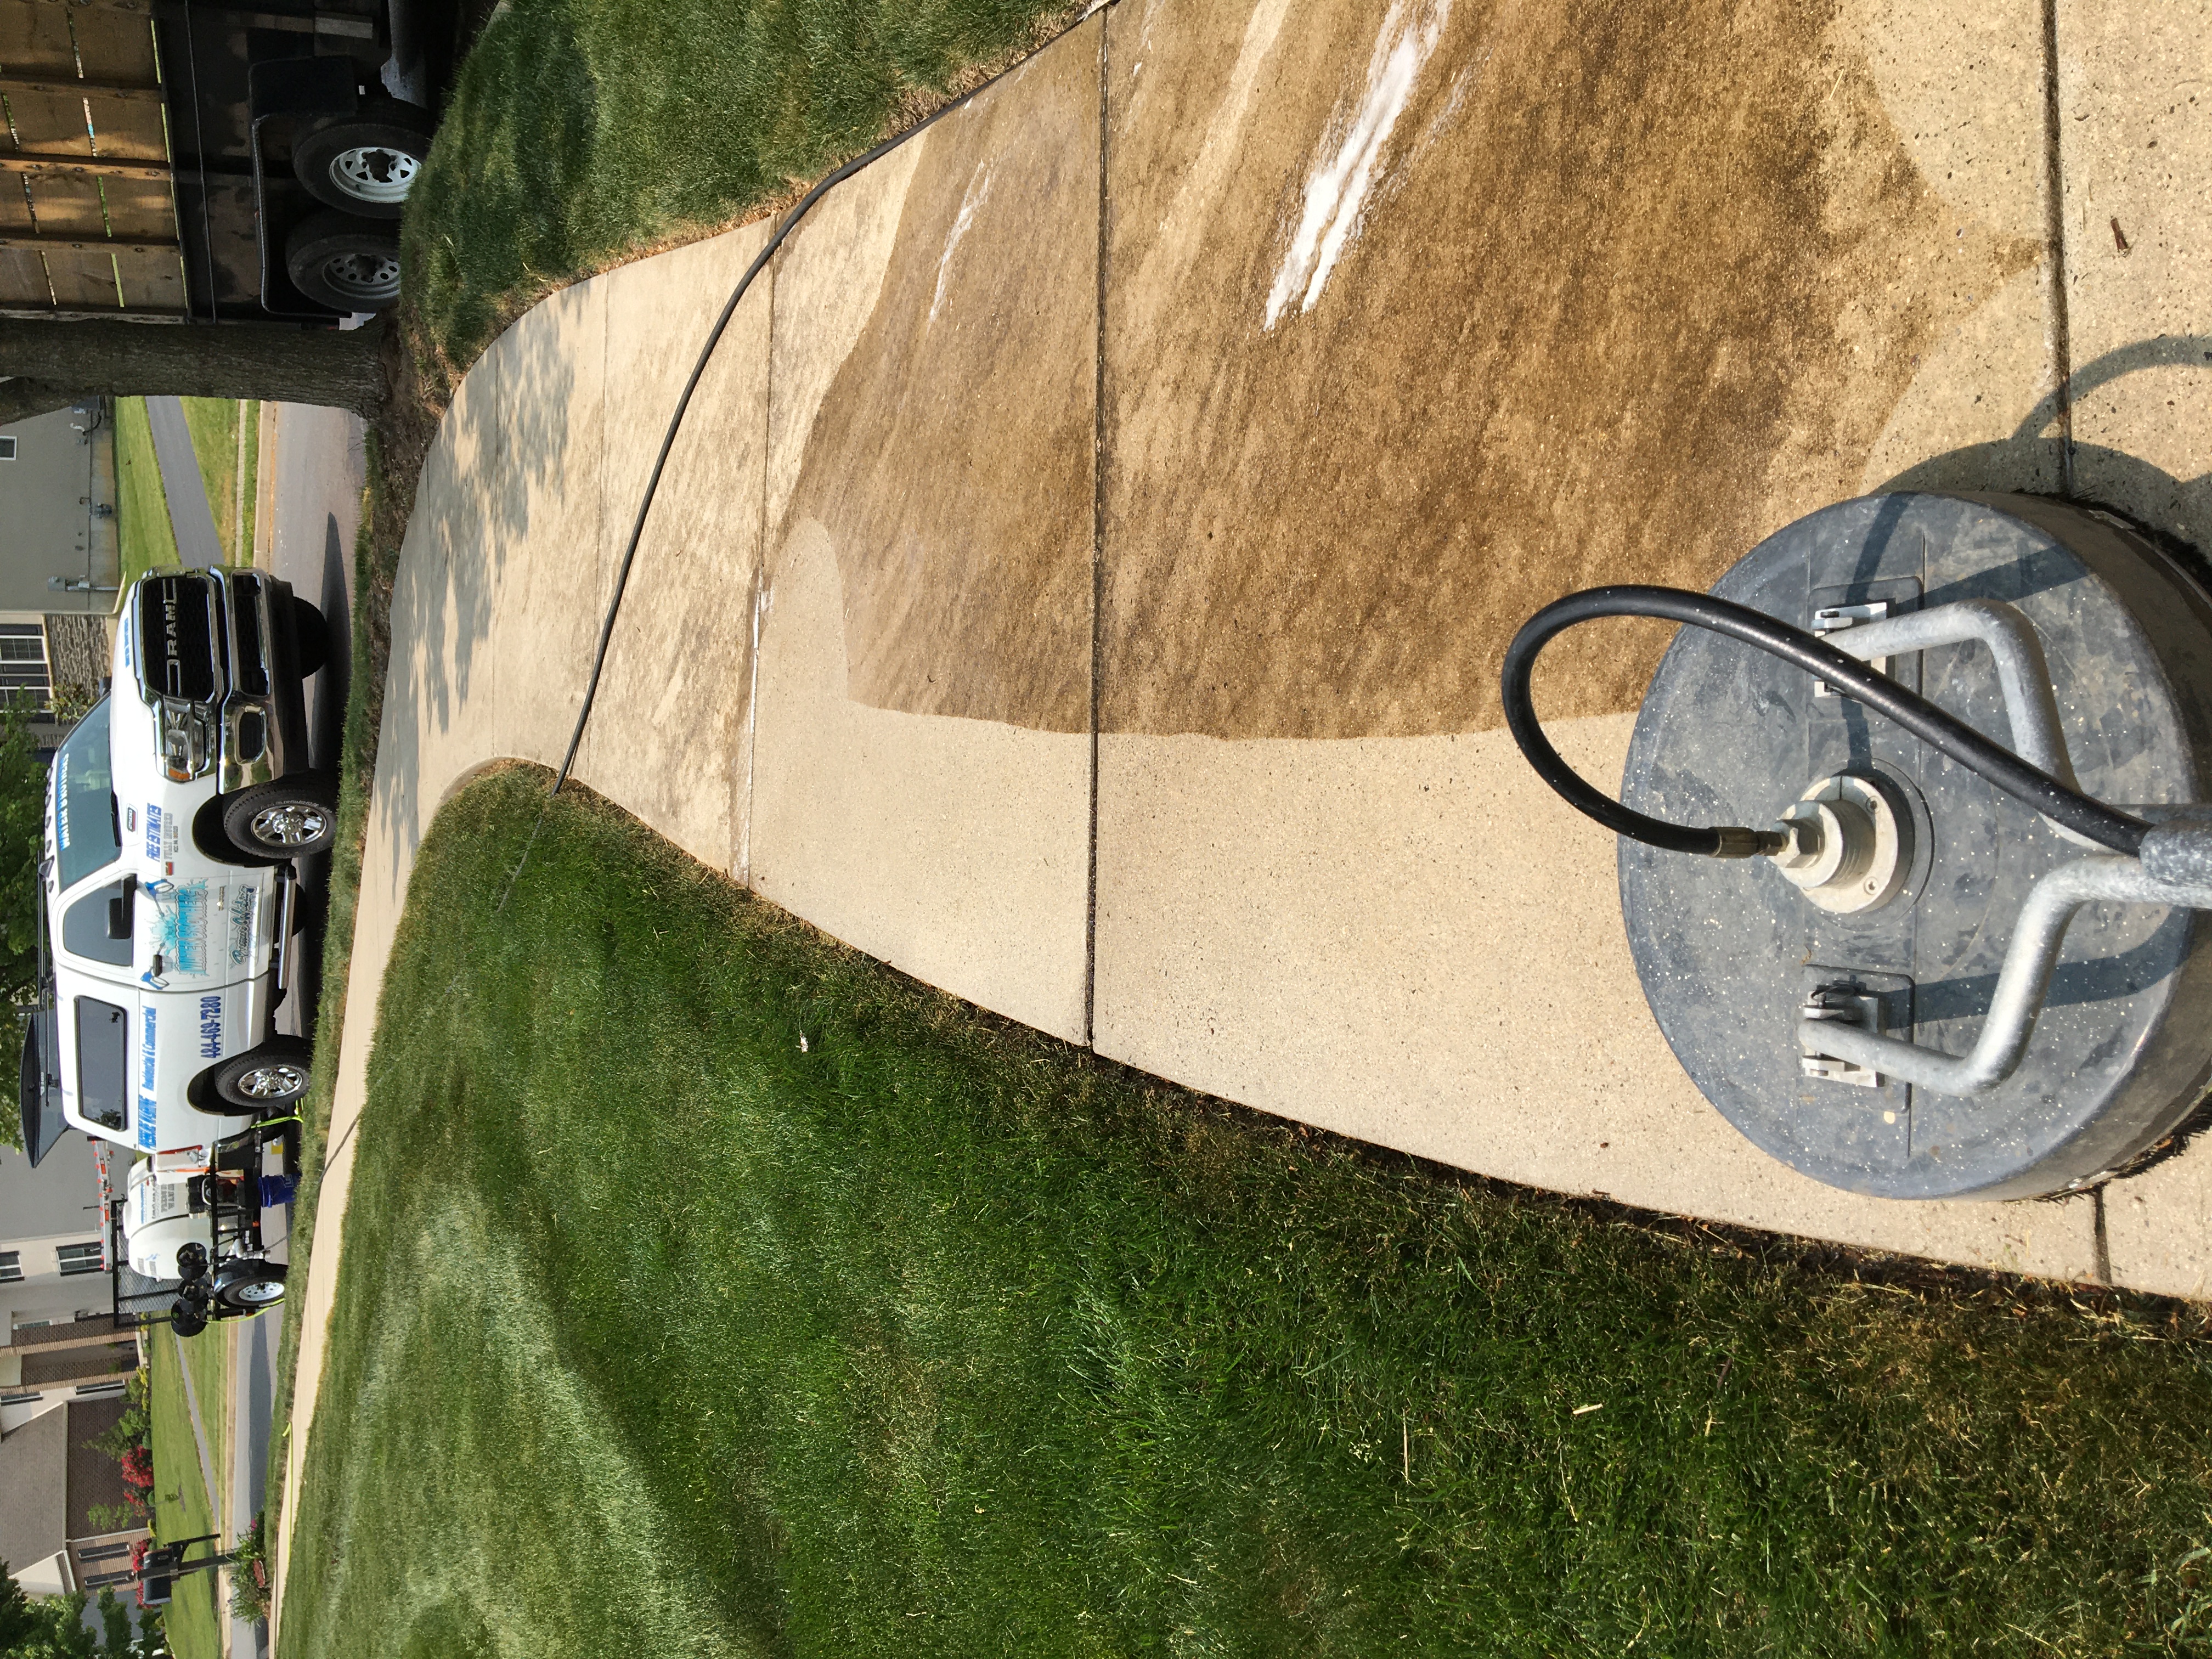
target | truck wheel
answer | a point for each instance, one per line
(365, 163)
(342, 262)
(268, 1079)
(245, 1286)
(312, 635)
(293, 816)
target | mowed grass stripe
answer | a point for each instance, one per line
(579, 133)
(708, 1288)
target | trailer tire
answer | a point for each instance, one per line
(365, 163)
(345, 262)
(272, 1077)
(248, 1287)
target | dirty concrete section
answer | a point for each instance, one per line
(950, 462)
(1424, 313)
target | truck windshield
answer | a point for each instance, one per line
(103, 1061)
(86, 834)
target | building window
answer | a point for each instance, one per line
(103, 1551)
(101, 1580)
(7, 449)
(23, 657)
(95, 1390)
(11, 1268)
(80, 1258)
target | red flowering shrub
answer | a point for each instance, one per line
(138, 1470)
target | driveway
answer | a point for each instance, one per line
(1098, 618)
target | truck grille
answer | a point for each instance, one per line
(252, 677)
(176, 638)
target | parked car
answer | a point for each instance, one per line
(176, 814)
(201, 1227)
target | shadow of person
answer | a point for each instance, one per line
(2177, 511)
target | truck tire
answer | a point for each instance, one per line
(248, 1286)
(270, 1078)
(365, 163)
(346, 263)
(312, 636)
(288, 818)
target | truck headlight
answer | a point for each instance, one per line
(187, 740)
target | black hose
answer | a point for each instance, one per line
(1939, 730)
(684, 402)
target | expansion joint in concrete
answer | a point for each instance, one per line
(2061, 346)
(1099, 462)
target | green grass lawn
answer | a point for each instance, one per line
(217, 424)
(182, 1505)
(579, 131)
(710, 1288)
(141, 511)
(208, 1358)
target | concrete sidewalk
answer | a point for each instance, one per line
(1087, 594)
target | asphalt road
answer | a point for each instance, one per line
(190, 515)
(318, 471)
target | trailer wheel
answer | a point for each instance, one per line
(271, 1077)
(248, 1287)
(287, 818)
(365, 163)
(346, 263)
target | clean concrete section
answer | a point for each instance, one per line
(1399, 320)
(189, 516)
(2135, 117)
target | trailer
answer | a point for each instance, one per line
(174, 161)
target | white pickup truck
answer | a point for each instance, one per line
(174, 814)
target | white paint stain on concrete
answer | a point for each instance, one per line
(979, 189)
(1349, 162)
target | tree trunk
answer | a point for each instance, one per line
(53, 364)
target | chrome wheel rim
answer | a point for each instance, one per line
(293, 824)
(258, 1292)
(373, 173)
(280, 1080)
(367, 279)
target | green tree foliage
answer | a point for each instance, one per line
(53, 1627)
(22, 835)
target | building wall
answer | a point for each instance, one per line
(41, 1210)
(62, 471)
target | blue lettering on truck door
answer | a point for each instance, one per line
(146, 1081)
(211, 1028)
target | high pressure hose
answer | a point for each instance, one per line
(1939, 730)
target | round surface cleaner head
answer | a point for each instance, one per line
(1731, 952)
